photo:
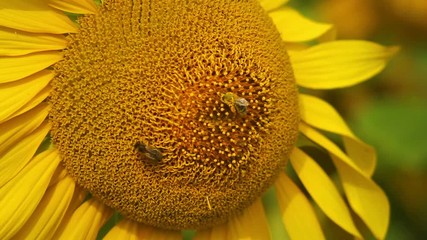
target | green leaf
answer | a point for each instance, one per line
(398, 130)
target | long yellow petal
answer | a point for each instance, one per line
(323, 191)
(322, 115)
(19, 155)
(34, 16)
(297, 213)
(21, 195)
(252, 224)
(365, 197)
(18, 67)
(324, 142)
(49, 213)
(125, 230)
(79, 196)
(15, 43)
(34, 102)
(16, 94)
(339, 64)
(15, 129)
(59, 175)
(294, 27)
(269, 5)
(130, 230)
(86, 220)
(75, 6)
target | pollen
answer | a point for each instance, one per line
(177, 114)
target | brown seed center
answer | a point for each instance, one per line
(178, 114)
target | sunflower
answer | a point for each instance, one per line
(146, 119)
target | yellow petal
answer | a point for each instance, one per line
(293, 27)
(161, 234)
(15, 95)
(75, 6)
(19, 127)
(34, 16)
(19, 155)
(18, 67)
(296, 46)
(78, 198)
(125, 230)
(322, 115)
(49, 213)
(324, 142)
(297, 213)
(252, 224)
(364, 196)
(86, 220)
(20, 196)
(59, 175)
(16, 43)
(269, 5)
(339, 63)
(330, 35)
(323, 191)
(34, 102)
(130, 230)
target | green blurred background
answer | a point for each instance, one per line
(389, 111)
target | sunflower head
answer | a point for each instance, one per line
(178, 117)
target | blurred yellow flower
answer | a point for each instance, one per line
(352, 18)
(411, 11)
(178, 115)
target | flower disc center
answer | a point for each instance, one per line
(178, 114)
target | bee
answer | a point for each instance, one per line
(241, 105)
(154, 155)
(235, 103)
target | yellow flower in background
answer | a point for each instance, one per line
(343, 13)
(178, 115)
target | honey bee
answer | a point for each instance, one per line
(154, 155)
(241, 105)
(235, 103)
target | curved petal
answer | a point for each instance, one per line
(365, 197)
(49, 213)
(330, 35)
(34, 16)
(59, 175)
(34, 102)
(15, 43)
(18, 67)
(293, 27)
(323, 191)
(15, 129)
(125, 230)
(324, 142)
(130, 230)
(339, 64)
(19, 155)
(297, 213)
(16, 94)
(86, 220)
(322, 115)
(252, 224)
(269, 5)
(20, 196)
(78, 198)
(75, 6)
